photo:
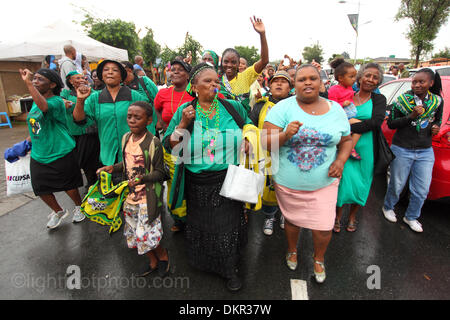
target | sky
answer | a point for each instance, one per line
(290, 24)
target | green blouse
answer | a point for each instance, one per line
(228, 140)
(50, 138)
(111, 119)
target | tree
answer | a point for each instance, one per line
(248, 53)
(167, 55)
(315, 52)
(150, 48)
(113, 32)
(427, 16)
(444, 53)
(190, 45)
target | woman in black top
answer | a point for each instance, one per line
(417, 117)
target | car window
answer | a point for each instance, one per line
(406, 85)
(387, 78)
(323, 75)
(444, 72)
(389, 90)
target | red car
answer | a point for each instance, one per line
(440, 184)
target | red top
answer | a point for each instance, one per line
(168, 100)
(340, 94)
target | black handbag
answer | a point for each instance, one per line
(384, 154)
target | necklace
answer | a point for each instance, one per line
(359, 99)
(209, 137)
(171, 100)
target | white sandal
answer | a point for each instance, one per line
(319, 276)
(291, 265)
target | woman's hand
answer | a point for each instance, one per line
(27, 75)
(435, 129)
(336, 169)
(353, 121)
(108, 169)
(258, 25)
(417, 111)
(83, 92)
(187, 117)
(292, 129)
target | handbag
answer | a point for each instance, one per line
(18, 176)
(384, 154)
(242, 184)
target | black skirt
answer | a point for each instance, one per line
(60, 175)
(88, 151)
(216, 229)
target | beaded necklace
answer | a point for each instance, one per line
(209, 144)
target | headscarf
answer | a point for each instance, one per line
(214, 56)
(194, 72)
(54, 77)
(69, 75)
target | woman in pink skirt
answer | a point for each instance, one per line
(309, 138)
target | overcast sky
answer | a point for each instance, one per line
(290, 25)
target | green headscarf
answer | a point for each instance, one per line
(214, 56)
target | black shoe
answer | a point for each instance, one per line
(145, 271)
(164, 266)
(234, 283)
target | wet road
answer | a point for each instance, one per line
(38, 264)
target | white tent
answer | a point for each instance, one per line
(51, 41)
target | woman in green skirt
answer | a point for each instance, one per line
(357, 176)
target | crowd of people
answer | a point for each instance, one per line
(319, 148)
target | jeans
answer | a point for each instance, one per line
(269, 211)
(418, 165)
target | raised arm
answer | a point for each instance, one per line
(38, 98)
(259, 27)
(82, 94)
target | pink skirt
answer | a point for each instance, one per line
(315, 210)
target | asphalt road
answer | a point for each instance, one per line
(381, 260)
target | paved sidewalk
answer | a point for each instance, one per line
(8, 137)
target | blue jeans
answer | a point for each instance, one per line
(418, 165)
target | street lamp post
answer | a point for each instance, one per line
(356, 27)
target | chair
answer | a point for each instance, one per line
(8, 121)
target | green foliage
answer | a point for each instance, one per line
(315, 52)
(444, 53)
(427, 16)
(167, 55)
(193, 46)
(248, 53)
(113, 32)
(150, 48)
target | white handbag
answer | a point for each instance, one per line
(243, 184)
(18, 176)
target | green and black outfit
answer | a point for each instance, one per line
(111, 119)
(86, 139)
(53, 161)
(216, 230)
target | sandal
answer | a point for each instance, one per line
(351, 227)
(319, 276)
(337, 226)
(291, 265)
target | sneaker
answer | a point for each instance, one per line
(56, 218)
(355, 155)
(389, 215)
(413, 224)
(268, 226)
(78, 216)
(282, 222)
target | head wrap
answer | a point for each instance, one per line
(214, 56)
(69, 75)
(195, 71)
(100, 67)
(54, 77)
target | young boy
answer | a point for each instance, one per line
(143, 166)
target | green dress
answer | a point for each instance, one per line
(358, 174)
